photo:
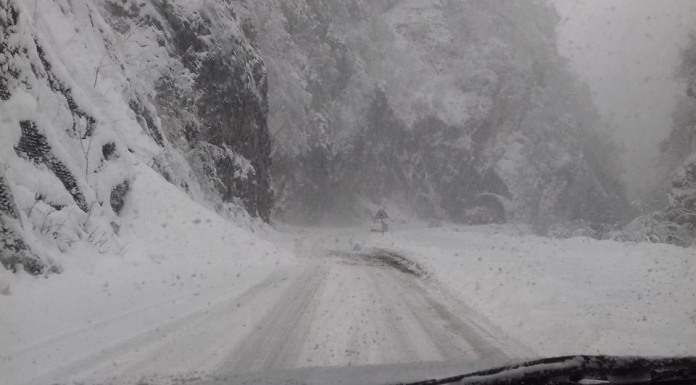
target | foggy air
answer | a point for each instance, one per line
(347, 192)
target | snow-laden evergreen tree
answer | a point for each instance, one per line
(681, 145)
(674, 219)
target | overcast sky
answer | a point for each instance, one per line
(627, 51)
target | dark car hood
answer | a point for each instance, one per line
(352, 375)
(566, 369)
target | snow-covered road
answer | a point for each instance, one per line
(333, 308)
(343, 297)
(194, 292)
(353, 309)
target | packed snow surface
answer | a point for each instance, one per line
(193, 293)
(565, 296)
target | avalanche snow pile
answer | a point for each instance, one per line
(89, 90)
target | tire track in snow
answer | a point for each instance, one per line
(377, 313)
(456, 330)
(280, 335)
(454, 333)
(451, 313)
(211, 337)
(120, 357)
(438, 330)
(94, 326)
(385, 315)
(349, 310)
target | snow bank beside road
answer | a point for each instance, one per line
(567, 296)
(180, 259)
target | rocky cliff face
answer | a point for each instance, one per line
(208, 93)
(679, 157)
(456, 109)
(88, 89)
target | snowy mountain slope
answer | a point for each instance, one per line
(183, 268)
(681, 145)
(453, 108)
(674, 200)
(89, 89)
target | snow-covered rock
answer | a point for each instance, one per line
(90, 89)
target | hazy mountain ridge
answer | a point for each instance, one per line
(461, 110)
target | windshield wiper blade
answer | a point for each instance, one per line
(583, 370)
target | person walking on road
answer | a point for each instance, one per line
(382, 217)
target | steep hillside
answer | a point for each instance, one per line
(454, 109)
(89, 89)
(678, 218)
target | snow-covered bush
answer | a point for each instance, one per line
(679, 154)
(656, 227)
(682, 196)
(13, 251)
